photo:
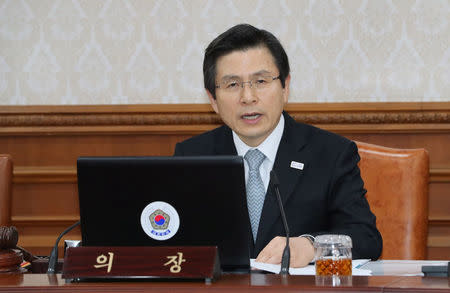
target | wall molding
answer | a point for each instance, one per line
(50, 174)
(193, 118)
(30, 221)
(441, 175)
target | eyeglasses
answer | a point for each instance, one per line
(234, 85)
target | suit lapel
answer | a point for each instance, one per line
(223, 142)
(290, 149)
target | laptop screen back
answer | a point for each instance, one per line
(166, 201)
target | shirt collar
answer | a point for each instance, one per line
(268, 147)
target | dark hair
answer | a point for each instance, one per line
(242, 37)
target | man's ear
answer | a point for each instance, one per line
(212, 101)
(287, 83)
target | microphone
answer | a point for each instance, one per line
(285, 259)
(54, 254)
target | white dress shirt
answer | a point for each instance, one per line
(268, 147)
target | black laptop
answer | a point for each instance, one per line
(166, 201)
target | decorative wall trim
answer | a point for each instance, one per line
(439, 223)
(440, 175)
(44, 175)
(44, 221)
(320, 113)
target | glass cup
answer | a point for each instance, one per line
(333, 255)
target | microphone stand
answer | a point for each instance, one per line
(54, 254)
(286, 257)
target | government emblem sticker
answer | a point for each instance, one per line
(160, 220)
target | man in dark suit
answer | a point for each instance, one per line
(246, 76)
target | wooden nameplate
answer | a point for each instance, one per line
(181, 262)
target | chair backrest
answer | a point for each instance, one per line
(396, 181)
(6, 170)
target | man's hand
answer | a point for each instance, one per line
(302, 251)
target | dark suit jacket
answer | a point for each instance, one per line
(327, 196)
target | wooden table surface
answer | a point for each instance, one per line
(254, 282)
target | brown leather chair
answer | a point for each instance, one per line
(397, 190)
(6, 170)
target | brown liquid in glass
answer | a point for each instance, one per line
(329, 267)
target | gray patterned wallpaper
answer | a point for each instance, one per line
(151, 51)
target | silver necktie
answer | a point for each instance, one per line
(255, 188)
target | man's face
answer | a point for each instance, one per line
(253, 112)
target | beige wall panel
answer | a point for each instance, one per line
(439, 236)
(437, 144)
(438, 253)
(63, 150)
(44, 202)
(46, 141)
(439, 201)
